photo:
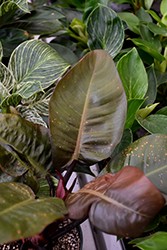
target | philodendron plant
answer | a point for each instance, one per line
(87, 113)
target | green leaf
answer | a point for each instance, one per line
(6, 77)
(152, 86)
(143, 16)
(29, 89)
(3, 92)
(147, 153)
(163, 7)
(40, 102)
(133, 106)
(148, 3)
(30, 114)
(153, 123)
(161, 77)
(127, 139)
(11, 38)
(156, 241)
(149, 48)
(156, 17)
(27, 215)
(29, 139)
(131, 20)
(65, 52)
(90, 5)
(87, 130)
(144, 112)
(11, 100)
(113, 205)
(10, 161)
(147, 35)
(105, 30)
(162, 111)
(36, 61)
(44, 189)
(22, 4)
(134, 79)
(157, 30)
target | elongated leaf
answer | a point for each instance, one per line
(117, 204)
(156, 241)
(152, 86)
(30, 114)
(90, 5)
(133, 106)
(21, 215)
(149, 153)
(11, 100)
(105, 30)
(149, 48)
(36, 61)
(30, 139)
(134, 80)
(161, 77)
(153, 123)
(1, 51)
(148, 4)
(3, 92)
(87, 111)
(163, 7)
(144, 16)
(11, 38)
(157, 30)
(44, 189)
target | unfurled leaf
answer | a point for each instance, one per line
(132, 108)
(153, 123)
(148, 153)
(149, 48)
(131, 20)
(29, 139)
(117, 203)
(30, 114)
(105, 30)
(11, 38)
(27, 215)
(135, 81)
(156, 241)
(88, 130)
(36, 61)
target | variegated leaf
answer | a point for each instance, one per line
(6, 77)
(30, 114)
(29, 89)
(1, 51)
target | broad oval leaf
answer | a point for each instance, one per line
(36, 61)
(123, 203)
(149, 154)
(30, 139)
(105, 30)
(131, 20)
(87, 111)
(134, 80)
(27, 215)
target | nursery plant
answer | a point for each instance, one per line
(98, 110)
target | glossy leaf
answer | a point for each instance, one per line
(156, 17)
(89, 129)
(131, 20)
(163, 7)
(162, 111)
(90, 5)
(153, 123)
(152, 86)
(11, 38)
(30, 114)
(155, 241)
(135, 81)
(105, 30)
(157, 30)
(133, 106)
(149, 48)
(36, 61)
(27, 215)
(144, 112)
(117, 203)
(143, 15)
(29, 139)
(147, 153)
